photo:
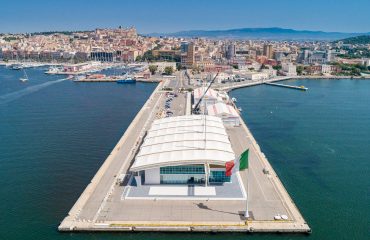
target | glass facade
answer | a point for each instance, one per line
(218, 177)
(190, 174)
(182, 178)
(186, 169)
(187, 174)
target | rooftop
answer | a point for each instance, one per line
(198, 93)
(183, 140)
(222, 109)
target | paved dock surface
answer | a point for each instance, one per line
(102, 208)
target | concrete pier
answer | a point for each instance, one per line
(302, 88)
(114, 80)
(103, 207)
(249, 83)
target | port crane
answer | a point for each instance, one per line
(196, 108)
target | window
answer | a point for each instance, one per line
(186, 169)
(218, 177)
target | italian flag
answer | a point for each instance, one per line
(242, 162)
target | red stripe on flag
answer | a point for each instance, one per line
(229, 167)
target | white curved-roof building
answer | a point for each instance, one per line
(192, 141)
(226, 112)
(211, 96)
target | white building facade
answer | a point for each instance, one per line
(289, 69)
(211, 97)
(325, 69)
(256, 76)
(226, 112)
(184, 150)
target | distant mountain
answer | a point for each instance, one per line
(363, 39)
(263, 33)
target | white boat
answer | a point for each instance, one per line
(234, 100)
(16, 67)
(240, 109)
(25, 77)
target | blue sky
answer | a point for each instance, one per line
(170, 16)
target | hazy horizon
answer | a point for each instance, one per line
(180, 30)
(165, 17)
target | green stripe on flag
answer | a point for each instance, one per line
(243, 162)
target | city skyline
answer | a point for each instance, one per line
(187, 119)
(164, 16)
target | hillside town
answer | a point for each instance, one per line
(235, 59)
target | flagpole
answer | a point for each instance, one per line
(246, 212)
(240, 164)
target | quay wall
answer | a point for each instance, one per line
(75, 210)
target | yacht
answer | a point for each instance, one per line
(16, 67)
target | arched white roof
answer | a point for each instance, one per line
(184, 140)
(210, 94)
(221, 109)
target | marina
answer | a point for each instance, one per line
(98, 78)
(78, 69)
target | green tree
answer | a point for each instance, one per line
(299, 70)
(277, 67)
(153, 69)
(138, 58)
(178, 66)
(364, 39)
(168, 70)
(8, 39)
(148, 56)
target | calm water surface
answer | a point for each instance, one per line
(54, 135)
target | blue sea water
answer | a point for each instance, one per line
(318, 142)
(54, 135)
